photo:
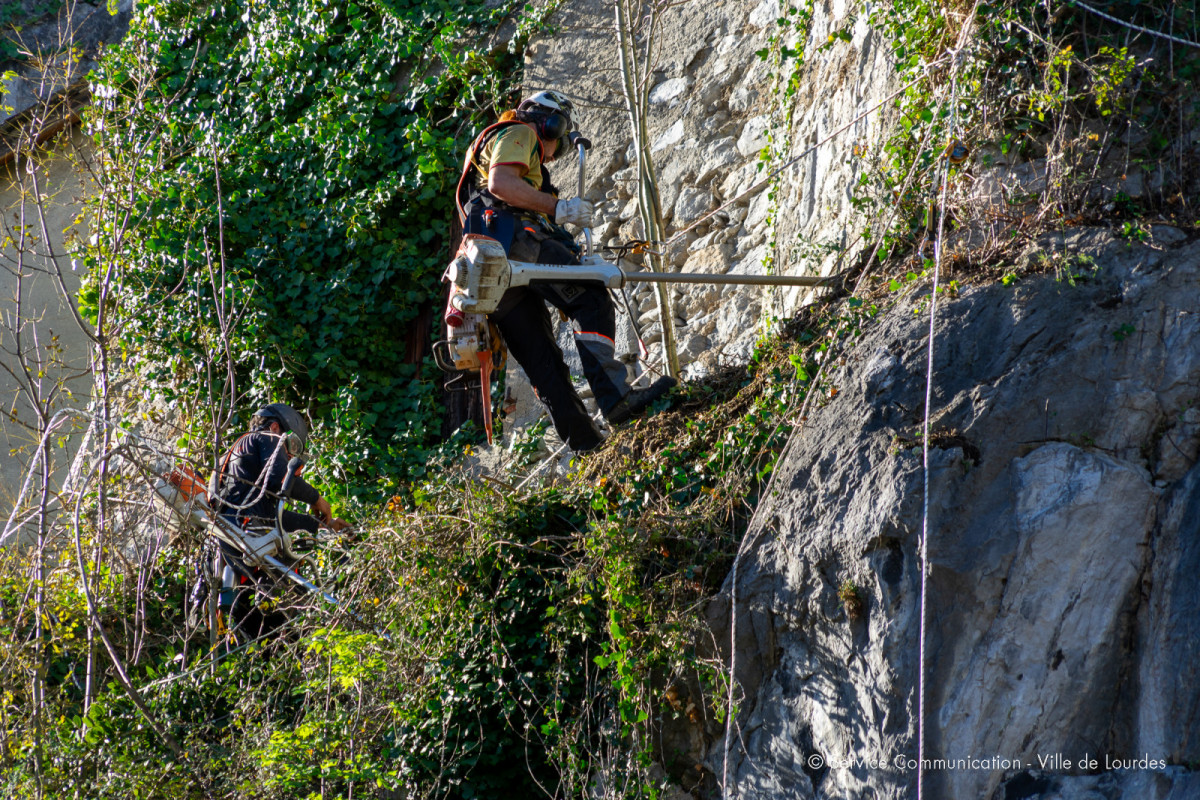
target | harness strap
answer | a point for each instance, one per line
(471, 162)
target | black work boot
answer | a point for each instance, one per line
(638, 400)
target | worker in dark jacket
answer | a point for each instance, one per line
(505, 193)
(250, 476)
(245, 490)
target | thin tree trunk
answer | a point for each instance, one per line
(649, 202)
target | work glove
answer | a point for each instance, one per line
(575, 211)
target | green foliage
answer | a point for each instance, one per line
(852, 599)
(1132, 231)
(289, 170)
(503, 643)
(1033, 82)
(1123, 332)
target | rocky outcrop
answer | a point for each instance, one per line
(1061, 633)
(1063, 499)
(1061, 626)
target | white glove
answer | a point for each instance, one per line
(575, 211)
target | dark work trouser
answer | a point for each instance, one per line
(524, 322)
(246, 619)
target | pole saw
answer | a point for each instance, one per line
(182, 491)
(481, 273)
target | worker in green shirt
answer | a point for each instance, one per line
(505, 193)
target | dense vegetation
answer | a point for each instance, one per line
(498, 641)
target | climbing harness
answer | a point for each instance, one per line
(481, 272)
(467, 193)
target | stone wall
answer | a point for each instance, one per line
(713, 105)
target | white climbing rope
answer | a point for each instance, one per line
(924, 545)
(260, 483)
(729, 790)
(747, 542)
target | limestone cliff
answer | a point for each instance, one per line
(1061, 619)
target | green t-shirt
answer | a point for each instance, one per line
(516, 145)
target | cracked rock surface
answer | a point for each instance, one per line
(1062, 618)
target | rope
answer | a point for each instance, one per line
(1118, 21)
(924, 545)
(774, 173)
(752, 534)
(260, 483)
(12, 524)
(730, 715)
(895, 211)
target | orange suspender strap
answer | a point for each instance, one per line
(229, 455)
(473, 152)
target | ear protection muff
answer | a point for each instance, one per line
(295, 445)
(553, 126)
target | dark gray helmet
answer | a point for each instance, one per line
(290, 419)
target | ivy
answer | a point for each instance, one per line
(290, 165)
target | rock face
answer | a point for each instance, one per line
(1061, 625)
(50, 70)
(712, 110)
(1063, 513)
